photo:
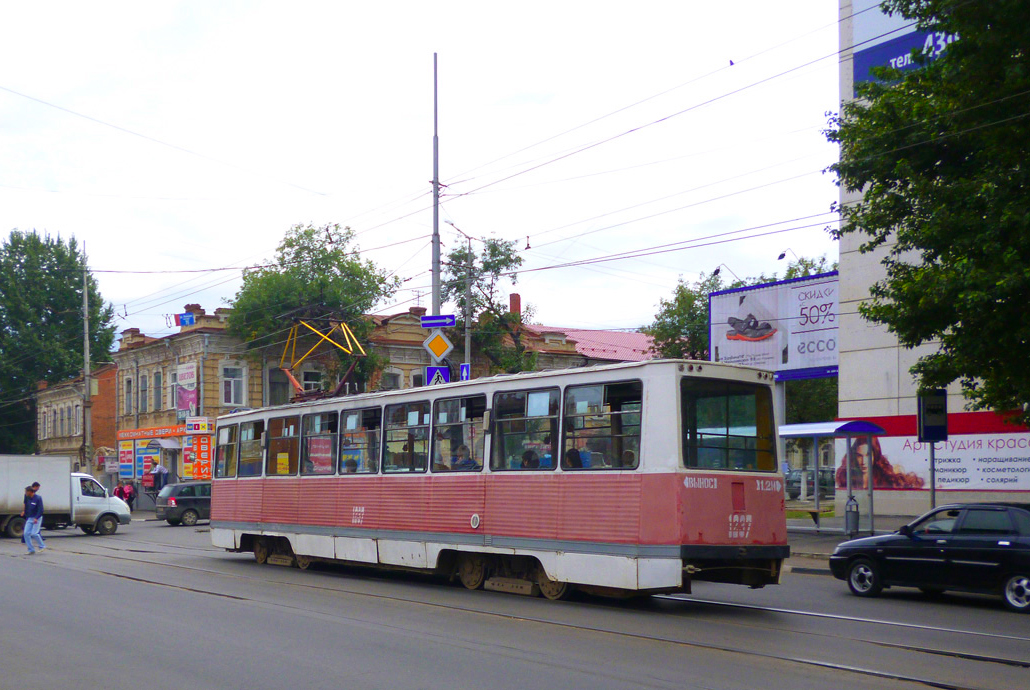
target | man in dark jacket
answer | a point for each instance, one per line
(33, 519)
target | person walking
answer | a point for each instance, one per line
(130, 494)
(35, 488)
(33, 519)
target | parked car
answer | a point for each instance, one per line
(978, 547)
(184, 503)
(827, 483)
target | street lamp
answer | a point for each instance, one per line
(783, 254)
(722, 266)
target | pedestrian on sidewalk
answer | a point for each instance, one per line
(33, 519)
(130, 494)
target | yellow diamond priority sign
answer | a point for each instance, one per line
(438, 345)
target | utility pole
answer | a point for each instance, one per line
(87, 417)
(436, 202)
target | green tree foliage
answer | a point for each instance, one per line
(680, 328)
(314, 273)
(496, 332)
(941, 154)
(41, 326)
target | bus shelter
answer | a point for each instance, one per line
(848, 430)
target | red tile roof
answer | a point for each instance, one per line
(616, 346)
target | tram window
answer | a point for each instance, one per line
(359, 440)
(407, 437)
(251, 436)
(602, 426)
(318, 443)
(458, 437)
(283, 446)
(525, 430)
(225, 457)
(727, 425)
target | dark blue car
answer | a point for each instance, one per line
(977, 547)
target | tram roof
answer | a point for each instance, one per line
(498, 378)
(855, 427)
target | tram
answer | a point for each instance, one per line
(627, 478)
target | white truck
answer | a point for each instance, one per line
(69, 498)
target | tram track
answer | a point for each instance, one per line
(609, 629)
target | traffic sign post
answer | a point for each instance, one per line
(437, 375)
(932, 422)
(439, 321)
(437, 345)
(466, 372)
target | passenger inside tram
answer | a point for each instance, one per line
(530, 460)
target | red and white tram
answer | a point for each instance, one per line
(630, 477)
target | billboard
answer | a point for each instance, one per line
(789, 326)
(186, 393)
(880, 40)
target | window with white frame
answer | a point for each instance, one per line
(144, 392)
(157, 391)
(233, 384)
(312, 380)
(173, 389)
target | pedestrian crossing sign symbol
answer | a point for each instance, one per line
(438, 345)
(438, 375)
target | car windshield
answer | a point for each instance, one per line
(166, 491)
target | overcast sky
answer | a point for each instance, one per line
(191, 135)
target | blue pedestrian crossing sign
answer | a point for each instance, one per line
(466, 372)
(437, 375)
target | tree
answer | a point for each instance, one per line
(680, 328)
(314, 273)
(41, 327)
(496, 331)
(940, 153)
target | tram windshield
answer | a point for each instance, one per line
(727, 425)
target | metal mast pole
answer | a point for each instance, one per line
(468, 310)
(87, 417)
(436, 201)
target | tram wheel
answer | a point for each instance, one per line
(260, 551)
(472, 570)
(303, 562)
(552, 589)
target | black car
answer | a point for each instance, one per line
(184, 503)
(827, 483)
(977, 547)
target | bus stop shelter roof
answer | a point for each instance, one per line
(855, 427)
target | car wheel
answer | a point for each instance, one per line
(107, 525)
(1017, 593)
(864, 578)
(189, 518)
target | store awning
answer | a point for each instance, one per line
(855, 427)
(168, 442)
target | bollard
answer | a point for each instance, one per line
(851, 517)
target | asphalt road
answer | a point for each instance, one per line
(157, 606)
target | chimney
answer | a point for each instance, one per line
(417, 311)
(514, 303)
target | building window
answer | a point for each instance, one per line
(78, 419)
(417, 379)
(278, 387)
(53, 423)
(312, 380)
(60, 431)
(157, 391)
(128, 396)
(173, 390)
(144, 393)
(232, 385)
(390, 381)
